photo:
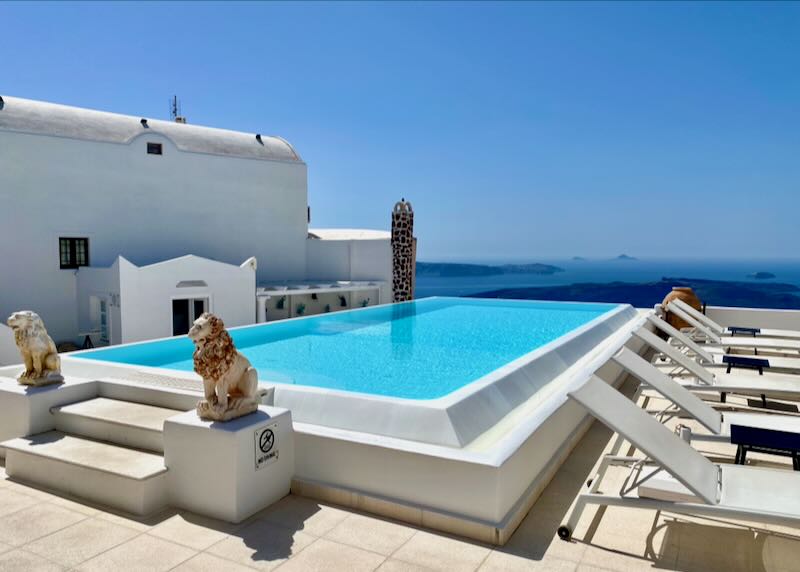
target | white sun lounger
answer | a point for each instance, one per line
(681, 338)
(787, 388)
(712, 338)
(718, 424)
(730, 330)
(710, 356)
(675, 477)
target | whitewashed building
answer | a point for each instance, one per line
(90, 199)
(161, 299)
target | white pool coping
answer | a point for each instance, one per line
(453, 420)
(519, 423)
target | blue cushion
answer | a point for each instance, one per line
(741, 330)
(766, 438)
(744, 361)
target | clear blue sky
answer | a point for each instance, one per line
(526, 131)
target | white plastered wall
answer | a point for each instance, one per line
(356, 259)
(145, 294)
(143, 207)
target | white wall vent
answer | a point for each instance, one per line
(191, 284)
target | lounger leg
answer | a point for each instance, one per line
(618, 441)
(592, 486)
(743, 456)
(722, 397)
(737, 459)
(795, 462)
(565, 530)
(763, 400)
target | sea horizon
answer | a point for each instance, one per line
(603, 271)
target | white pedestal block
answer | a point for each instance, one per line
(229, 470)
(25, 409)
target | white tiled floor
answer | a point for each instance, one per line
(40, 531)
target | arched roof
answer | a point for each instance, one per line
(42, 118)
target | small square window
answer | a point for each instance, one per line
(155, 149)
(73, 252)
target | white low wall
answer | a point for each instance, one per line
(755, 317)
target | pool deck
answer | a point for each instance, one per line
(42, 531)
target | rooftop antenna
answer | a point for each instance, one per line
(175, 110)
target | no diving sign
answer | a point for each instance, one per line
(266, 446)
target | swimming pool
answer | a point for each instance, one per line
(421, 350)
(449, 412)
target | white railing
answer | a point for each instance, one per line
(755, 317)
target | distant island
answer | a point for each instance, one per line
(452, 269)
(578, 258)
(647, 294)
(625, 257)
(761, 275)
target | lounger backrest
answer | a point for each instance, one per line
(699, 316)
(675, 355)
(669, 388)
(678, 458)
(694, 323)
(675, 333)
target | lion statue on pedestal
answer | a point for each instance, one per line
(230, 383)
(42, 363)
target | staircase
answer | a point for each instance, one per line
(107, 451)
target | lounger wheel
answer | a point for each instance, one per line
(564, 532)
(589, 482)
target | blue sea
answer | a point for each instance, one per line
(604, 271)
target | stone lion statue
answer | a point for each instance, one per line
(230, 383)
(42, 363)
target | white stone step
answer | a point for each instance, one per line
(126, 479)
(120, 422)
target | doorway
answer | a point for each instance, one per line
(100, 322)
(184, 312)
(104, 338)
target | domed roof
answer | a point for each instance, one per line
(42, 118)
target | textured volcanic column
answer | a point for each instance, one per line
(404, 251)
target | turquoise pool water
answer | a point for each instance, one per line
(418, 350)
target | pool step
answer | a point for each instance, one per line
(127, 479)
(121, 422)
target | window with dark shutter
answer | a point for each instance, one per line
(73, 252)
(155, 149)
